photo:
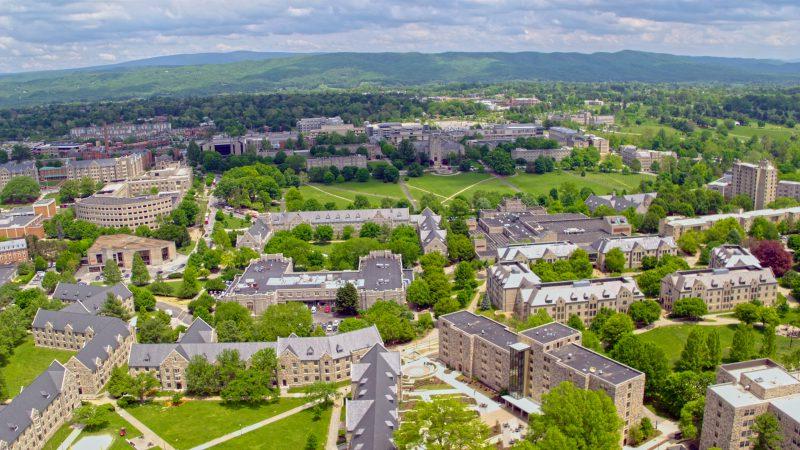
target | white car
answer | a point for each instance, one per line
(329, 328)
(313, 310)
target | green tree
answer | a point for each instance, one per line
(143, 384)
(20, 190)
(201, 377)
(576, 419)
(682, 387)
(347, 299)
(615, 260)
(323, 394)
(323, 233)
(644, 356)
(50, 281)
(769, 344)
(575, 322)
(352, 324)
(139, 274)
(644, 312)
(695, 355)
(119, 383)
(281, 320)
(460, 247)
(691, 418)
(190, 286)
(443, 424)
(767, 432)
(91, 417)
(464, 276)
(419, 294)
(743, 344)
(693, 308)
(311, 442)
(748, 313)
(714, 349)
(392, 320)
(111, 272)
(113, 307)
(615, 328)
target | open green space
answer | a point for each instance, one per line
(198, 421)
(115, 422)
(443, 185)
(769, 130)
(599, 183)
(322, 196)
(671, 339)
(230, 222)
(58, 437)
(301, 389)
(27, 362)
(493, 185)
(288, 433)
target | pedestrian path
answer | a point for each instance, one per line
(147, 433)
(70, 439)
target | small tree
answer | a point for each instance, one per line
(767, 432)
(323, 233)
(441, 424)
(111, 272)
(113, 307)
(322, 394)
(743, 344)
(748, 313)
(769, 344)
(615, 260)
(615, 328)
(311, 442)
(645, 312)
(418, 293)
(347, 299)
(91, 417)
(142, 384)
(139, 274)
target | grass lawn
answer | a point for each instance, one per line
(115, 422)
(288, 433)
(301, 389)
(773, 131)
(324, 248)
(671, 339)
(493, 185)
(323, 197)
(229, 222)
(444, 185)
(58, 437)
(28, 362)
(199, 421)
(600, 183)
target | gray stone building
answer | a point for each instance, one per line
(89, 298)
(728, 256)
(257, 236)
(721, 289)
(635, 249)
(340, 219)
(371, 416)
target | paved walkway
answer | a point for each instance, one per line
(147, 433)
(70, 439)
(507, 183)
(709, 320)
(252, 427)
(333, 426)
(406, 192)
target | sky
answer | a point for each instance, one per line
(57, 34)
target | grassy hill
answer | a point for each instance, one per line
(276, 72)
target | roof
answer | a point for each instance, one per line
(18, 167)
(260, 228)
(532, 252)
(125, 242)
(13, 245)
(549, 332)
(336, 346)
(44, 390)
(473, 324)
(578, 291)
(371, 416)
(152, 355)
(701, 220)
(619, 202)
(735, 394)
(198, 332)
(594, 364)
(728, 256)
(719, 277)
(513, 274)
(328, 217)
(628, 243)
(90, 296)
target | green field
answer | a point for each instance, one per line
(234, 222)
(443, 185)
(671, 339)
(28, 362)
(115, 422)
(199, 421)
(600, 183)
(344, 193)
(58, 437)
(772, 131)
(288, 433)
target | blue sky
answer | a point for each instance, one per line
(53, 34)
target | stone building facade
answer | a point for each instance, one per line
(27, 220)
(676, 226)
(14, 169)
(340, 162)
(354, 218)
(721, 289)
(13, 251)
(121, 249)
(635, 249)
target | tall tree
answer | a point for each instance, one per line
(443, 424)
(769, 344)
(139, 274)
(695, 355)
(111, 272)
(113, 307)
(615, 260)
(347, 299)
(743, 344)
(142, 384)
(767, 432)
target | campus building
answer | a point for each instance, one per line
(432, 237)
(340, 162)
(675, 226)
(530, 155)
(102, 343)
(639, 202)
(532, 362)
(371, 415)
(257, 235)
(301, 360)
(13, 251)
(114, 206)
(396, 132)
(721, 289)
(98, 170)
(635, 249)
(27, 220)
(88, 298)
(13, 169)
(121, 249)
(759, 182)
(170, 179)
(309, 124)
(646, 158)
(39, 410)
(728, 256)
(531, 253)
(340, 219)
(121, 131)
(744, 391)
(271, 280)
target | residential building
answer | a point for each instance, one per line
(272, 279)
(114, 206)
(635, 249)
(790, 189)
(340, 162)
(27, 220)
(532, 362)
(744, 391)
(14, 169)
(121, 131)
(758, 182)
(121, 248)
(647, 158)
(530, 155)
(675, 226)
(13, 251)
(639, 202)
(432, 237)
(511, 131)
(257, 235)
(531, 253)
(309, 124)
(583, 298)
(395, 132)
(88, 298)
(302, 360)
(170, 179)
(98, 170)
(371, 415)
(102, 343)
(720, 289)
(504, 281)
(40, 409)
(354, 218)
(728, 256)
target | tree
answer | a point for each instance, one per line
(682, 387)
(645, 312)
(418, 293)
(347, 299)
(139, 274)
(444, 424)
(644, 356)
(143, 299)
(155, 329)
(464, 276)
(111, 272)
(392, 320)
(142, 384)
(763, 229)
(772, 254)
(615, 260)
(767, 432)
(714, 349)
(90, 416)
(201, 377)
(615, 328)
(576, 322)
(265, 363)
(20, 190)
(119, 383)
(323, 233)
(769, 344)
(113, 307)
(692, 308)
(577, 419)
(691, 418)
(311, 442)
(50, 281)
(695, 355)
(748, 313)
(322, 394)
(352, 324)
(190, 286)
(743, 344)
(281, 320)
(460, 247)
(21, 152)
(446, 305)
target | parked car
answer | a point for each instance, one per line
(329, 328)
(327, 309)
(313, 310)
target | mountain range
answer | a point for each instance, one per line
(261, 72)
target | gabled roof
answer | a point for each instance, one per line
(628, 243)
(199, 332)
(15, 417)
(92, 297)
(371, 416)
(336, 346)
(152, 355)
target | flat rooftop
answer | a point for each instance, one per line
(488, 329)
(590, 363)
(553, 331)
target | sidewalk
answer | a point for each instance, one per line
(147, 433)
(70, 439)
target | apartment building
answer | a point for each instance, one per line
(121, 249)
(102, 343)
(113, 206)
(530, 155)
(13, 251)
(645, 157)
(530, 363)
(504, 281)
(635, 249)
(511, 131)
(531, 253)
(301, 360)
(27, 220)
(371, 415)
(40, 409)
(340, 162)
(759, 182)
(675, 226)
(395, 132)
(170, 179)
(354, 218)
(87, 298)
(729, 256)
(309, 124)
(121, 131)
(14, 169)
(639, 202)
(744, 391)
(272, 279)
(432, 237)
(790, 189)
(584, 298)
(101, 170)
(721, 289)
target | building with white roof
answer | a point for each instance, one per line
(635, 248)
(728, 256)
(721, 289)
(744, 391)
(542, 251)
(675, 226)
(505, 280)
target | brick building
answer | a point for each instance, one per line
(13, 251)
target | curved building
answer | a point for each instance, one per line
(118, 212)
